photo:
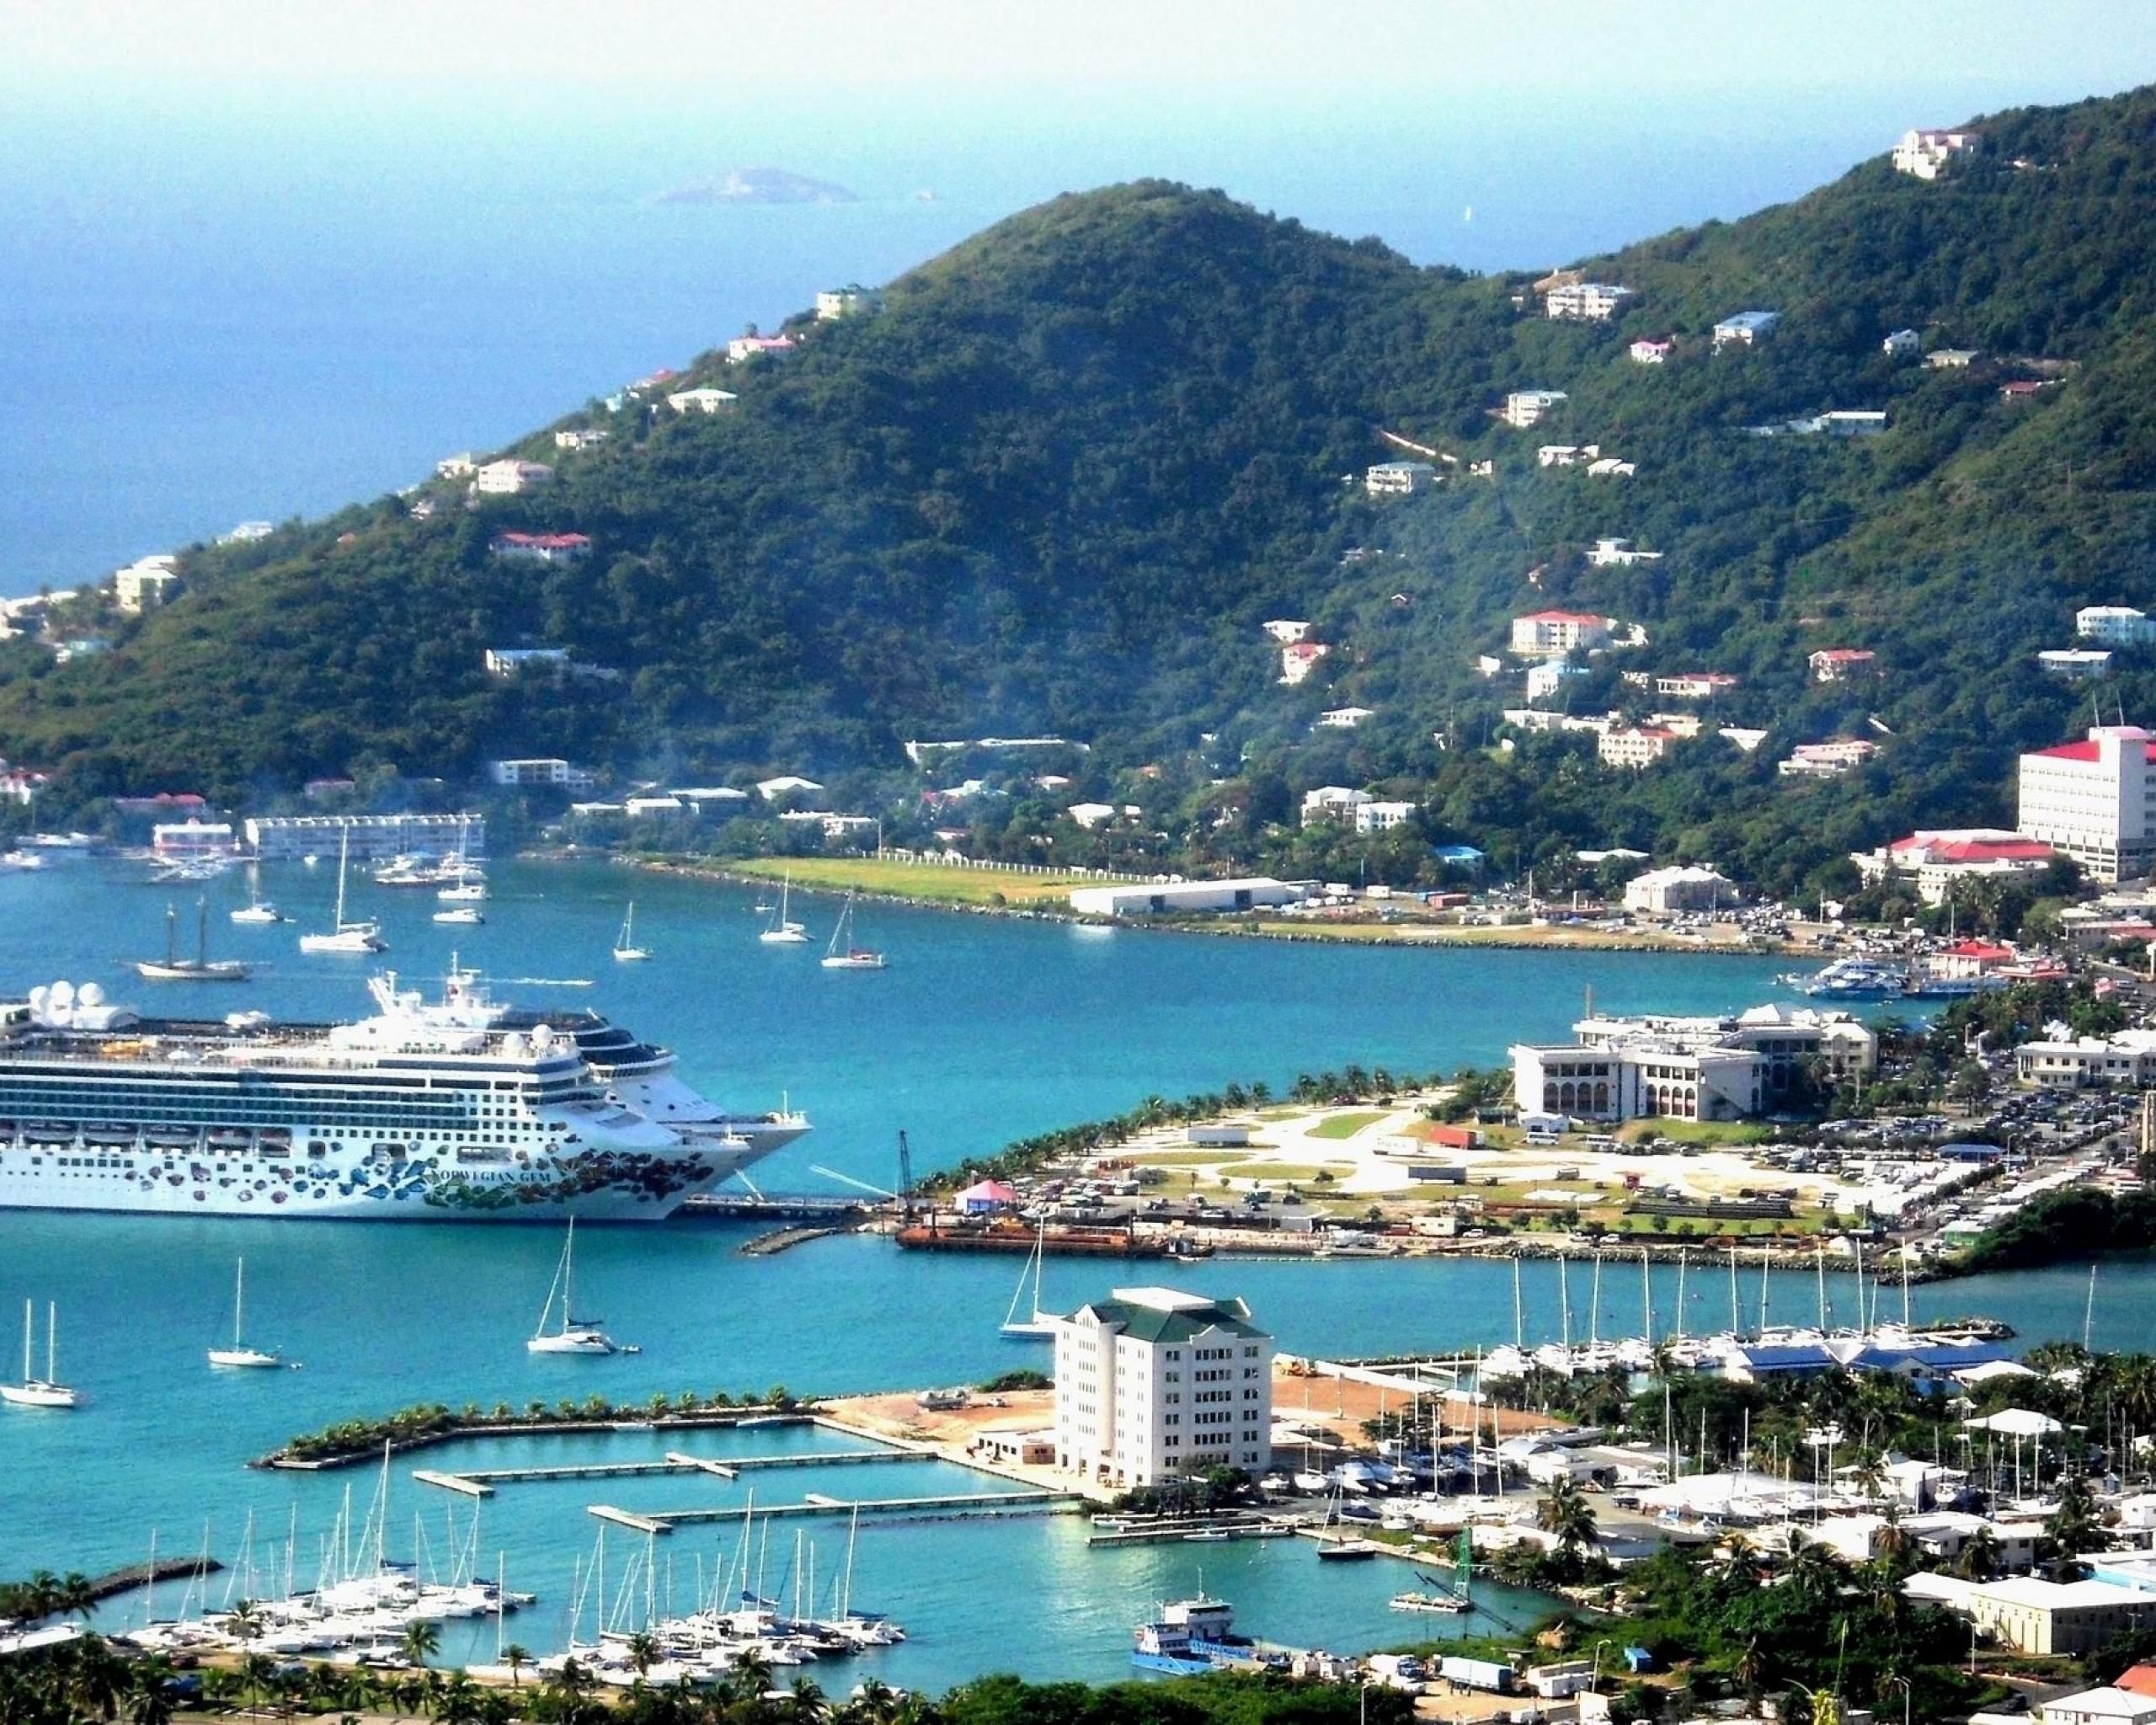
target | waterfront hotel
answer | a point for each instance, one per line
(1151, 1384)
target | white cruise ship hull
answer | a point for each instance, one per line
(605, 1186)
(459, 1112)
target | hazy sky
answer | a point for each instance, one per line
(1268, 48)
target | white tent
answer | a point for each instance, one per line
(2016, 1422)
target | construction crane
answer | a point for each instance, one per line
(906, 1176)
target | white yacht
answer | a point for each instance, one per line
(239, 1357)
(574, 1335)
(463, 915)
(784, 931)
(626, 949)
(842, 954)
(46, 1391)
(351, 937)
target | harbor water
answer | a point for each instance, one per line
(981, 1030)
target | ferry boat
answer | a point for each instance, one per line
(448, 1110)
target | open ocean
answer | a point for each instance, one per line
(982, 1029)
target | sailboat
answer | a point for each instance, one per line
(626, 949)
(784, 931)
(258, 912)
(842, 954)
(238, 1356)
(47, 1391)
(576, 1335)
(469, 888)
(465, 916)
(201, 968)
(349, 937)
(1041, 1326)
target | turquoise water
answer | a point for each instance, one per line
(981, 1030)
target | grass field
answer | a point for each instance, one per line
(1698, 1131)
(934, 881)
(1343, 1125)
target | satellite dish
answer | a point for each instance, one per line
(90, 994)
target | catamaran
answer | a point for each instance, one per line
(842, 954)
(626, 949)
(784, 931)
(1041, 1326)
(201, 968)
(46, 1391)
(239, 1357)
(359, 937)
(576, 1335)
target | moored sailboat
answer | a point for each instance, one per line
(842, 954)
(46, 1391)
(1041, 1326)
(784, 931)
(358, 937)
(239, 1356)
(626, 949)
(576, 1335)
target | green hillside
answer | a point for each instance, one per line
(1057, 484)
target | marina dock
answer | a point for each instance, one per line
(658, 1521)
(480, 1482)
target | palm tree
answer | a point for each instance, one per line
(151, 1701)
(1978, 1558)
(75, 1596)
(255, 1670)
(1566, 1512)
(98, 1682)
(244, 1622)
(516, 1656)
(643, 1650)
(420, 1642)
(807, 1701)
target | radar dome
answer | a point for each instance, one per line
(62, 996)
(90, 994)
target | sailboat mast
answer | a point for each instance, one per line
(29, 1320)
(51, 1340)
(239, 1298)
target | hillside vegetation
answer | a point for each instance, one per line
(1059, 481)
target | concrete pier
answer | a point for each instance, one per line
(1040, 1503)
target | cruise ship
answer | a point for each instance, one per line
(459, 1108)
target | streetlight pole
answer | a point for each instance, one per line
(1906, 1688)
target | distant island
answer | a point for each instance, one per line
(759, 186)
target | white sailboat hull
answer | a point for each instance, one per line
(39, 1395)
(574, 1342)
(243, 1359)
(359, 941)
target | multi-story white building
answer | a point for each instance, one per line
(703, 400)
(1679, 891)
(1545, 632)
(1926, 153)
(1374, 816)
(506, 479)
(1697, 1068)
(1298, 658)
(1545, 680)
(1333, 803)
(146, 584)
(524, 774)
(1398, 478)
(1651, 349)
(854, 301)
(2092, 800)
(1745, 329)
(1838, 665)
(1586, 302)
(1936, 859)
(1152, 1383)
(1524, 408)
(1640, 745)
(1619, 553)
(2074, 664)
(2120, 625)
(1901, 344)
(1695, 686)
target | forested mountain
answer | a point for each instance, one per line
(1060, 480)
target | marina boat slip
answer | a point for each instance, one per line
(447, 1110)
